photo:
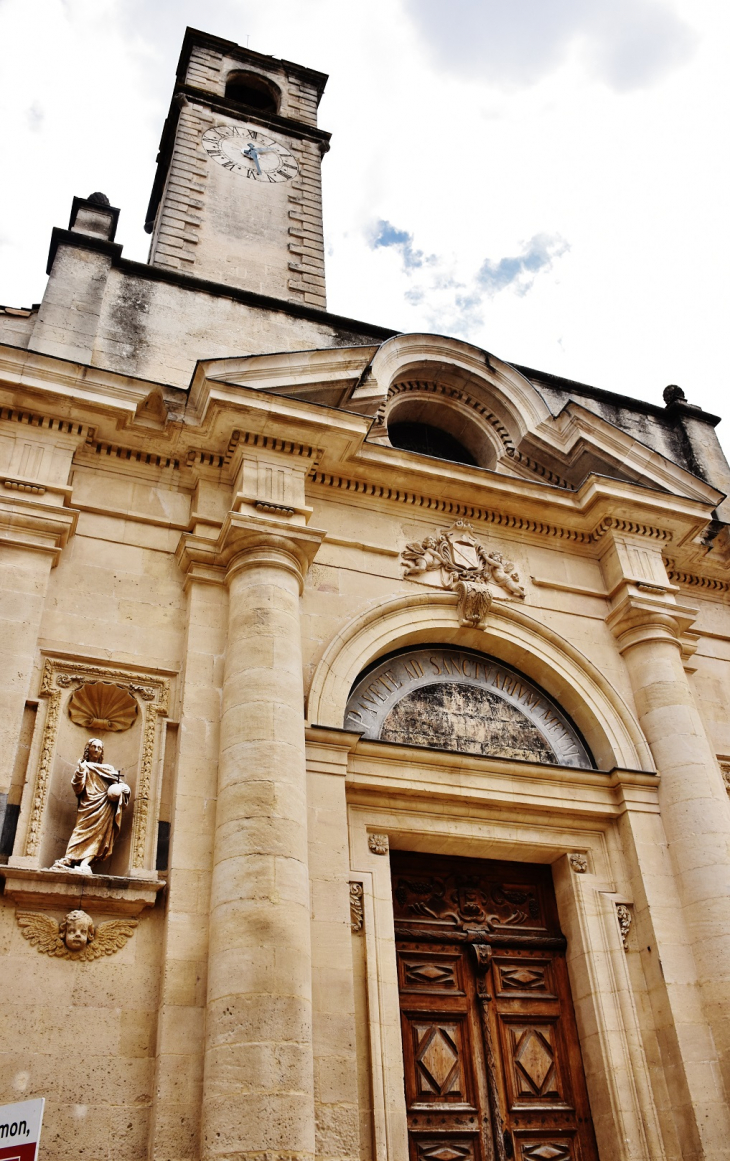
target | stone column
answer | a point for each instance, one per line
(258, 1087)
(648, 624)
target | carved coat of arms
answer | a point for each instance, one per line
(464, 565)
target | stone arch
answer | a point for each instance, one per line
(513, 405)
(246, 87)
(511, 635)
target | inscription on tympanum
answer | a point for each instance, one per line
(453, 699)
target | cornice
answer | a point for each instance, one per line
(30, 524)
(245, 540)
(637, 618)
(576, 516)
(227, 417)
(709, 584)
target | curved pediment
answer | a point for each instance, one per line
(488, 413)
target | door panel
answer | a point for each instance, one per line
(492, 1061)
(444, 1073)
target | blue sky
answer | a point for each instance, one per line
(548, 180)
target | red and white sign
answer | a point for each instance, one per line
(20, 1130)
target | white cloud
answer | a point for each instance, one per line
(628, 43)
(578, 124)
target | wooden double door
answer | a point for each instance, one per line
(493, 1068)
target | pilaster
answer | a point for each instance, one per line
(32, 535)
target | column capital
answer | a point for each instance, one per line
(247, 540)
(637, 617)
(28, 523)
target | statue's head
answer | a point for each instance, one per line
(77, 930)
(94, 750)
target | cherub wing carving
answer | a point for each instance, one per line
(110, 937)
(43, 932)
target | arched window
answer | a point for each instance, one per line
(445, 698)
(433, 419)
(429, 441)
(254, 91)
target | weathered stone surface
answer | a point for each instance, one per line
(467, 719)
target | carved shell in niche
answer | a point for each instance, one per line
(99, 705)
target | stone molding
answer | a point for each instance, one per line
(450, 394)
(598, 710)
(504, 517)
(244, 540)
(110, 894)
(30, 524)
(636, 618)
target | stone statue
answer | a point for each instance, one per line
(77, 936)
(77, 930)
(102, 796)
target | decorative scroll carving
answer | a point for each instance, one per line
(357, 915)
(475, 601)
(624, 916)
(60, 675)
(99, 705)
(458, 556)
(102, 797)
(77, 937)
(579, 863)
(466, 902)
(45, 763)
(378, 843)
(725, 771)
(142, 800)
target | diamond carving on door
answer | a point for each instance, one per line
(438, 1059)
(534, 1062)
(430, 973)
(428, 1151)
(548, 1151)
(523, 979)
(492, 1062)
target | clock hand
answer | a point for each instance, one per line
(252, 153)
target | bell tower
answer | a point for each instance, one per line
(237, 198)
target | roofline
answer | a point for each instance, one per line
(247, 56)
(572, 386)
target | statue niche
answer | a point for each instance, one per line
(101, 796)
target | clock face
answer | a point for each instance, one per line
(250, 153)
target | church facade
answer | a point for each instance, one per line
(366, 715)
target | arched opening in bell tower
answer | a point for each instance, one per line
(246, 88)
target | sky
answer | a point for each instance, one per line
(547, 179)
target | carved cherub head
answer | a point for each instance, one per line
(94, 750)
(76, 930)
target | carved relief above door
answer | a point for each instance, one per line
(493, 1070)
